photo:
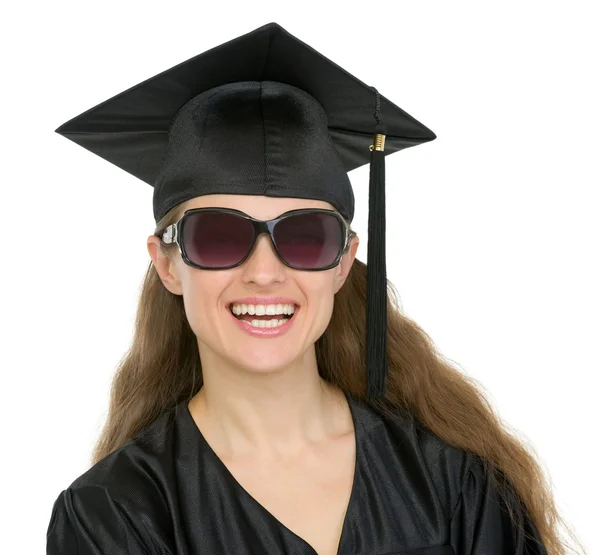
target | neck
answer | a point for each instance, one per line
(277, 414)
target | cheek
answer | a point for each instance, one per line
(319, 293)
(201, 295)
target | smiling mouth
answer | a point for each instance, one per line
(279, 315)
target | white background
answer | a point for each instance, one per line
(493, 228)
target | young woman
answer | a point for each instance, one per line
(275, 400)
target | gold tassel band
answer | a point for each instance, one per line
(379, 141)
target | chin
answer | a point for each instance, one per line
(262, 361)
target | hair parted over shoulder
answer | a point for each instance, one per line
(162, 368)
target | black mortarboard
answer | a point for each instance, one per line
(262, 114)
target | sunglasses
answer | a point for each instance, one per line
(310, 239)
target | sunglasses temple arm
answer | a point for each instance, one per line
(170, 234)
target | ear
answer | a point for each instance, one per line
(346, 263)
(165, 266)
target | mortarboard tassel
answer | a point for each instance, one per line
(376, 266)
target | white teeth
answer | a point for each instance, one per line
(261, 309)
(267, 323)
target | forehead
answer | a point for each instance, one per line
(257, 206)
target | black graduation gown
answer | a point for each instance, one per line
(166, 492)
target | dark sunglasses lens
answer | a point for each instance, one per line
(309, 241)
(216, 239)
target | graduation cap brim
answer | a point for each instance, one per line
(131, 129)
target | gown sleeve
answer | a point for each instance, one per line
(86, 521)
(481, 524)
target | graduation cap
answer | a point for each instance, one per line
(262, 114)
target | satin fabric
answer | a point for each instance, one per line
(166, 492)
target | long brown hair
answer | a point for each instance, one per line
(162, 368)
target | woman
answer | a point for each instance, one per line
(244, 419)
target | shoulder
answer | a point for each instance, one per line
(450, 467)
(134, 475)
(442, 457)
(131, 493)
(483, 508)
(432, 464)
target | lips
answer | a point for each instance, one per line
(265, 332)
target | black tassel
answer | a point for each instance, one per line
(376, 266)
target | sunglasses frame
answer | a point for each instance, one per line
(173, 232)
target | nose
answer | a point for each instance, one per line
(263, 266)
